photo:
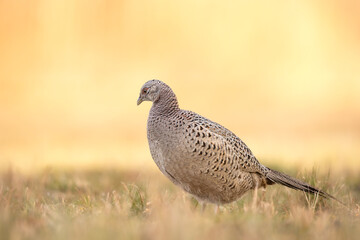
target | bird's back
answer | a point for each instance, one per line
(203, 157)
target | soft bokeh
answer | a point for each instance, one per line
(283, 75)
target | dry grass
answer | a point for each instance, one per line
(108, 204)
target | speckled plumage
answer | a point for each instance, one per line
(201, 156)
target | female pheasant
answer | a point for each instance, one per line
(203, 157)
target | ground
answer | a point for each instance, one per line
(118, 204)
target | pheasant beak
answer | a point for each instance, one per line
(140, 100)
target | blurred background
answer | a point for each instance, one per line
(283, 75)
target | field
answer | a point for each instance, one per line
(115, 204)
(74, 159)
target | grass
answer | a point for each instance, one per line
(115, 204)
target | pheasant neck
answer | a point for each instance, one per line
(166, 104)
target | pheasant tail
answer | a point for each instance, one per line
(290, 182)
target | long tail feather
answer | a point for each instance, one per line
(290, 182)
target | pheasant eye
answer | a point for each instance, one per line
(145, 90)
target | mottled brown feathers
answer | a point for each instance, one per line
(201, 156)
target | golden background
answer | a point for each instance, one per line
(283, 75)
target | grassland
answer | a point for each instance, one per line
(115, 204)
